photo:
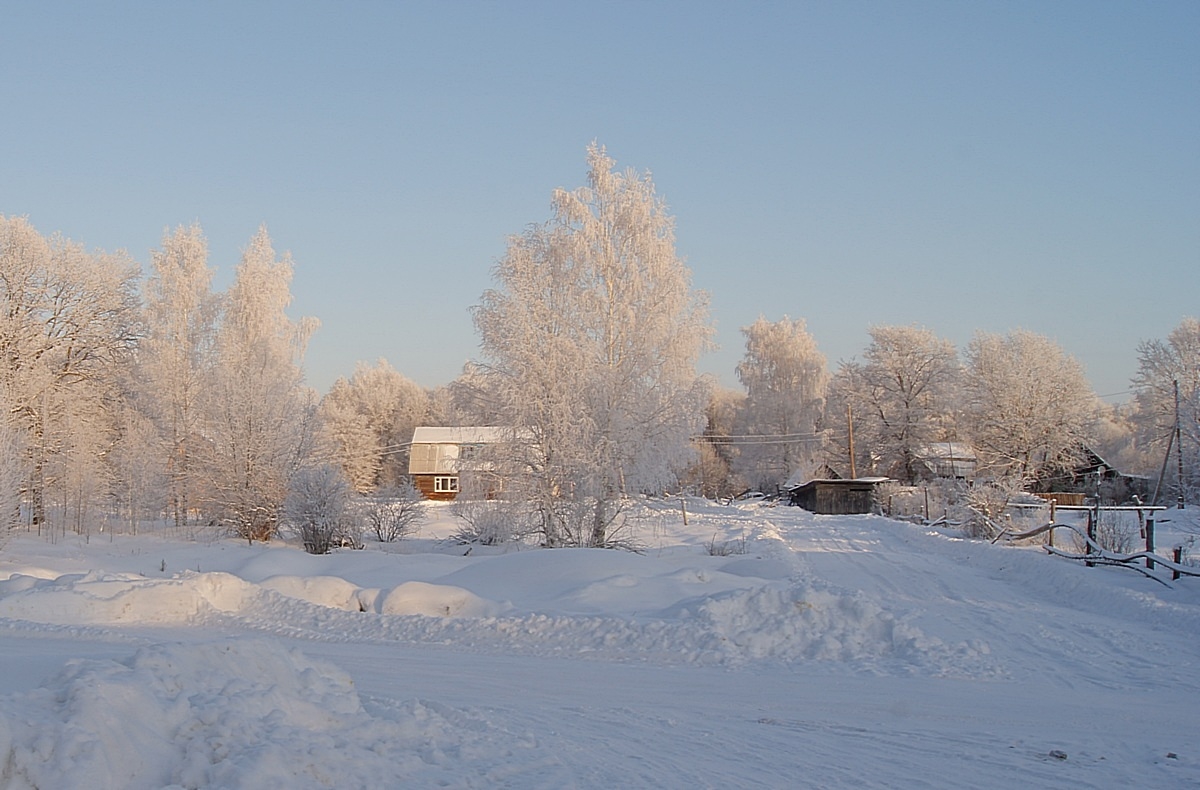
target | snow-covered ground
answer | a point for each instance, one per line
(834, 652)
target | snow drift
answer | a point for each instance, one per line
(242, 713)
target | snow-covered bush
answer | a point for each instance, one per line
(490, 522)
(1113, 533)
(394, 512)
(317, 507)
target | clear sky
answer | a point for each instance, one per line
(959, 165)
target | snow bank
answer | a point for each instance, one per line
(233, 713)
(99, 598)
(435, 600)
(735, 620)
(331, 591)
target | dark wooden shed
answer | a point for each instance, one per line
(837, 497)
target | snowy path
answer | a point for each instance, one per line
(606, 725)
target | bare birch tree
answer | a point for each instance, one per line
(260, 418)
(589, 344)
(175, 359)
(368, 421)
(1029, 405)
(68, 320)
(12, 473)
(899, 398)
(1163, 365)
(785, 379)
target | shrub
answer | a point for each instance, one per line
(490, 522)
(394, 512)
(317, 507)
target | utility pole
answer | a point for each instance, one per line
(1178, 448)
(850, 425)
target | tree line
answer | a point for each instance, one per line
(1017, 402)
(136, 397)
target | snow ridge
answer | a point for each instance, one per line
(238, 713)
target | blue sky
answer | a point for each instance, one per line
(962, 166)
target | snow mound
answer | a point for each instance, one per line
(332, 591)
(435, 600)
(804, 623)
(235, 713)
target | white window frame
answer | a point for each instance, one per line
(445, 484)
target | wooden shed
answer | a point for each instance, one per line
(837, 497)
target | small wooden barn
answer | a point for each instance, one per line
(837, 497)
(947, 460)
(440, 456)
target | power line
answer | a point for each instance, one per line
(760, 439)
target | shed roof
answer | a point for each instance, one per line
(947, 451)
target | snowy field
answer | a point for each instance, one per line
(848, 651)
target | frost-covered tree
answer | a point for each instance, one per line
(1029, 406)
(175, 358)
(898, 399)
(12, 474)
(259, 416)
(347, 439)
(139, 482)
(368, 422)
(68, 319)
(1162, 364)
(711, 474)
(588, 345)
(785, 379)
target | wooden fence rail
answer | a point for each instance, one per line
(1097, 555)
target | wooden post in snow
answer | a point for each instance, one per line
(1150, 540)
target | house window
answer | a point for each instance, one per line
(445, 485)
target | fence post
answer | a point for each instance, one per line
(1091, 533)
(1150, 542)
(1178, 561)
